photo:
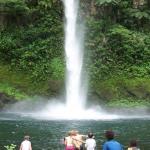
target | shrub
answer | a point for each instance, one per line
(10, 147)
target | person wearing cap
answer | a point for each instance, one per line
(90, 143)
(111, 144)
(26, 144)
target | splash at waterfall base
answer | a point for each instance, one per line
(61, 112)
(49, 110)
(89, 114)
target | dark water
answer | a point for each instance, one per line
(48, 135)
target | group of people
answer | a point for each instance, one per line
(75, 141)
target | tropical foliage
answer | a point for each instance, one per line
(117, 39)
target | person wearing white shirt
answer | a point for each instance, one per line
(90, 143)
(133, 145)
(26, 144)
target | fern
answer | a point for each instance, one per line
(138, 13)
(107, 2)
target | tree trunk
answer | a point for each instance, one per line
(3, 18)
(93, 8)
(148, 3)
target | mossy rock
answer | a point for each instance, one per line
(55, 87)
(5, 99)
(117, 88)
(140, 92)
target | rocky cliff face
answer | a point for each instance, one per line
(5, 99)
(137, 89)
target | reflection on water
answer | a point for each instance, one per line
(48, 135)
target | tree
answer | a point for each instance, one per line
(137, 3)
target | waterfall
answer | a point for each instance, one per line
(75, 97)
(74, 108)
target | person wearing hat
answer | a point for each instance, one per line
(26, 144)
(111, 144)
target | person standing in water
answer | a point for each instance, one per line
(133, 145)
(111, 144)
(90, 143)
(69, 142)
(78, 140)
(26, 144)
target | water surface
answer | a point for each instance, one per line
(49, 134)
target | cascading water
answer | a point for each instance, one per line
(74, 108)
(74, 58)
(75, 89)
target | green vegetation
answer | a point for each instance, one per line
(128, 103)
(10, 147)
(117, 49)
(20, 85)
(123, 91)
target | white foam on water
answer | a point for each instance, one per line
(53, 110)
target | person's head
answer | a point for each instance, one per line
(72, 133)
(133, 143)
(27, 137)
(109, 135)
(69, 133)
(90, 135)
(76, 132)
